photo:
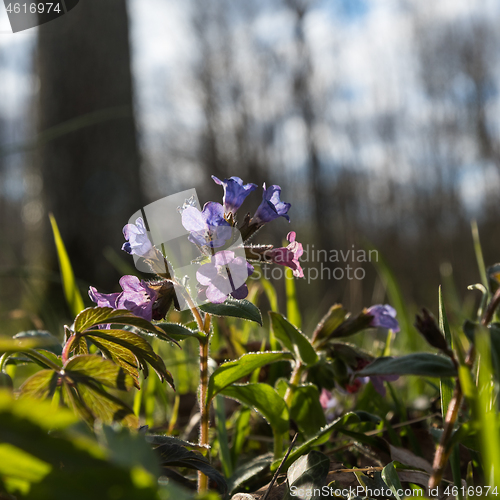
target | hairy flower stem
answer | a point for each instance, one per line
(444, 450)
(204, 408)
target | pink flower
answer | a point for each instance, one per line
(288, 256)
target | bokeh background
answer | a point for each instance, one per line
(379, 118)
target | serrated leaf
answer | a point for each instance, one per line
(41, 385)
(105, 406)
(330, 322)
(94, 316)
(292, 339)
(422, 363)
(242, 309)
(119, 355)
(134, 343)
(265, 400)
(307, 475)
(177, 331)
(319, 438)
(391, 478)
(178, 456)
(92, 367)
(50, 342)
(306, 410)
(232, 371)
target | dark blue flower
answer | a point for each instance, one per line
(384, 316)
(137, 240)
(271, 207)
(224, 275)
(136, 297)
(235, 192)
(207, 227)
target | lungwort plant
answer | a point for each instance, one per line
(295, 381)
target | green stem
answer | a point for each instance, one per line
(294, 382)
(278, 445)
(44, 359)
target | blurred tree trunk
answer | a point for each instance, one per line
(91, 172)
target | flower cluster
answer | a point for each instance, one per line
(223, 247)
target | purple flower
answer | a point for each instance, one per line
(235, 192)
(378, 382)
(137, 240)
(384, 316)
(288, 256)
(224, 275)
(136, 296)
(271, 207)
(207, 227)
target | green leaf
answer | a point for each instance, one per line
(232, 371)
(16, 463)
(306, 409)
(292, 339)
(177, 332)
(292, 306)
(234, 308)
(71, 292)
(249, 470)
(40, 360)
(308, 474)
(103, 405)
(319, 438)
(351, 326)
(134, 343)
(264, 399)
(21, 345)
(390, 476)
(330, 322)
(178, 456)
(41, 385)
(92, 367)
(94, 316)
(423, 364)
(48, 340)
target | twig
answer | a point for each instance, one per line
(278, 470)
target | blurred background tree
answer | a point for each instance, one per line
(379, 120)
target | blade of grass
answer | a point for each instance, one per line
(479, 253)
(220, 419)
(71, 292)
(292, 306)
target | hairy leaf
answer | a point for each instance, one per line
(264, 399)
(293, 339)
(242, 309)
(306, 409)
(330, 322)
(177, 332)
(308, 474)
(178, 456)
(232, 371)
(422, 363)
(319, 438)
